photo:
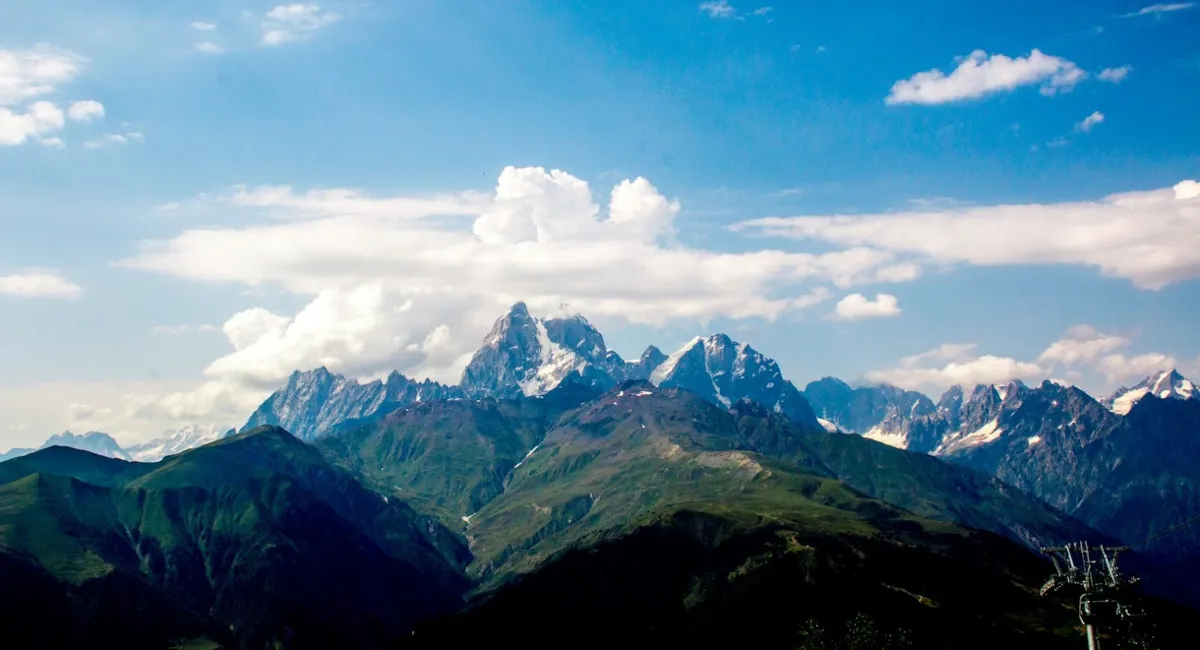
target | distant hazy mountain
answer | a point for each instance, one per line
(857, 410)
(175, 441)
(98, 443)
(170, 442)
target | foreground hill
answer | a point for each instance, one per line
(467, 461)
(254, 539)
(761, 575)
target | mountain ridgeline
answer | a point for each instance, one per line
(694, 498)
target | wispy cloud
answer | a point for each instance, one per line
(208, 47)
(183, 329)
(1160, 9)
(720, 9)
(1115, 75)
(292, 22)
(762, 11)
(203, 26)
(114, 139)
(979, 75)
(1090, 121)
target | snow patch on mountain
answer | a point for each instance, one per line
(555, 362)
(878, 433)
(986, 434)
(666, 368)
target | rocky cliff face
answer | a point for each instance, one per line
(315, 401)
(858, 410)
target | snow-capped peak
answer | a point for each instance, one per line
(526, 355)
(1166, 384)
(724, 371)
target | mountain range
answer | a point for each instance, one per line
(690, 517)
(558, 477)
(1055, 441)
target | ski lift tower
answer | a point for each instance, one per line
(1103, 603)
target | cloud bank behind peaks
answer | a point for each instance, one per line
(412, 283)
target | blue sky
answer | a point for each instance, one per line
(383, 117)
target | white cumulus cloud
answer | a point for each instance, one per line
(979, 75)
(26, 74)
(40, 119)
(85, 111)
(1082, 344)
(203, 26)
(858, 307)
(26, 77)
(1151, 238)
(208, 47)
(952, 364)
(1119, 368)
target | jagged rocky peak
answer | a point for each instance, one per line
(723, 371)
(525, 355)
(1165, 384)
(652, 356)
(315, 401)
(951, 402)
(576, 333)
(1012, 388)
(650, 360)
(866, 408)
